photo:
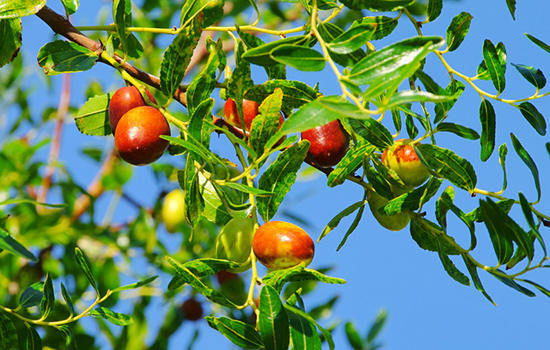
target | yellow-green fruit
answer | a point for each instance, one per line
(395, 222)
(402, 159)
(173, 210)
(234, 242)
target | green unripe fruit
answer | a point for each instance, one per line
(173, 210)
(234, 242)
(395, 222)
(402, 159)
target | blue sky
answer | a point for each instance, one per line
(427, 309)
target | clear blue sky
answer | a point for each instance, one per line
(427, 309)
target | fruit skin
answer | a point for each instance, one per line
(191, 309)
(235, 241)
(137, 136)
(250, 111)
(232, 286)
(173, 210)
(402, 159)
(328, 144)
(280, 245)
(395, 222)
(123, 100)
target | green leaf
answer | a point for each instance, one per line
(48, 298)
(385, 62)
(335, 221)
(239, 333)
(383, 25)
(351, 161)
(177, 56)
(354, 224)
(352, 39)
(32, 295)
(330, 31)
(488, 127)
(457, 129)
(512, 8)
(111, 316)
(295, 93)
(326, 334)
(472, 269)
(303, 333)
(542, 289)
(240, 80)
(494, 66)
(211, 10)
(532, 75)
(483, 73)
(9, 244)
(261, 55)
(412, 200)
(533, 116)
(510, 283)
(299, 57)
(538, 42)
(8, 333)
(502, 152)
(68, 299)
(377, 5)
(93, 117)
(20, 8)
(84, 264)
(434, 9)
(451, 269)
(65, 57)
(377, 326)
(122, 16)
(278, 278)
(30, 201)
(430, 236)
(203, 84)
(135, 285)
(266, 123)
(66, 330)
(10, 32)
(457, 30)
(353, 336)
(32, 340)
(372, 131)
(247, 189)
(526, 158)
(501, 240)
(526, 209)
(70, 6)
(279, 177)
(445, 163)
(273, 321)
(408, 96)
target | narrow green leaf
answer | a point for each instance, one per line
(30, 201)
(326, 334)
(502, 152)
(527, 212)
(93, 117)
(10, 32)
(383, 25)
(538, 42)
(445, 163)
(372, 131)
(20, 8)
(458, 130)
(8, 333)
(512, 284)
(352, 39)
(177, 56)
(247, 189)
(279, 178)
(488, 127)
(526, 158)
(303, 333)
(377, 5)
(472, 269)
(532, 75)
(408, 96)
(457, 30)
(136, 285)
(299, 57)
(68, 299)
(430, 236)
(451, 268)
(32, 340)
(9, 244)
(533, 116)
(84, 264)
(377, 326)
(273, 322)
(32, 295)
(238, 332)
(261, 55)
(330, 31)
(122, 16)
(494, 67)
(278, 278)
(350, 163)
(354, 339)
(65, 57)
(48, 298)
(335, 221)
(434, 9)
(512, 8)
(111, 316)
(212, 11)
(70, 6)
(412, 200)
(542, 289)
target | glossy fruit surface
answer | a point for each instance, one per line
(123, 100)
(250, 111)
(328, 144)
(137, 136)
(395, 222)
(191, 309)
(235, 241)
(280, 245)
(173, 210)
(402, 159)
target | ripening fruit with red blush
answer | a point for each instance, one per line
(402, 158)
(137, 136)
(250, 111)
(191, 310)
(123, 100)
(328, 144)
(280, 245)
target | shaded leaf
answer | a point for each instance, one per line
(65, 57)
(488, 127)
(9, 244)
(494, 66)
(457, 30)
(458, 130)
(238, 332)
(273, 321)
(111, 316)
(93, 117)
(533, 116)
(526, 158)
(10, 32)
(532, 75)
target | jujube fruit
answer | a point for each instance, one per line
(123, 100)
(191, 310)
(250, 111)
(232, 286)
(395, 222)
(328, 144)
(137, 136)
(234, 242)
(280, 245)
(173, 210)
(402, 158)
